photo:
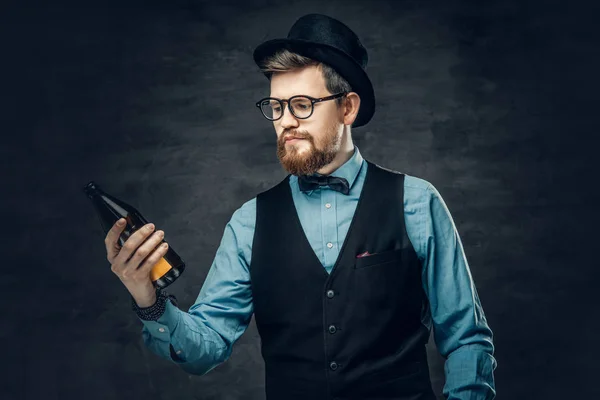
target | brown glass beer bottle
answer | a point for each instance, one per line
(110, 209)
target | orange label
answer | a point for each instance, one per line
(161, 268)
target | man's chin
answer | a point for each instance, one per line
(295, 162)
(296, 168)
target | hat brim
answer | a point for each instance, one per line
(341, 62)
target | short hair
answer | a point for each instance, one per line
(286, 60)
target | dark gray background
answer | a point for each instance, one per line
(493, 102)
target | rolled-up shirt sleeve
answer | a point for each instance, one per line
(461, 331)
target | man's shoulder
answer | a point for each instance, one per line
(417, 190)
(247, 211)
(248, 208)
(415, 183)
(411, 182)
(272, 189)
(244, 215)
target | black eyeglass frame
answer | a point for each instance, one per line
(288, 101)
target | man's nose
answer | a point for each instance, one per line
(288, 119)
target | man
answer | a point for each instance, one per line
(346, 265)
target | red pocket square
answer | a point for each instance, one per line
(361, 255)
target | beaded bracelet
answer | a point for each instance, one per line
(156, 310)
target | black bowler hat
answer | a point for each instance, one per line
(328, 40)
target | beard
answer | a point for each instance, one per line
(298, 161)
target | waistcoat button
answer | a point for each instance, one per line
(332, 329)
(330, 294)
(333, 365)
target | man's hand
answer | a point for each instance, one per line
(133, 261)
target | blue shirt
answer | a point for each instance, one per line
(203, 337)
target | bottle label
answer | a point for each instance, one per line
(161, 268)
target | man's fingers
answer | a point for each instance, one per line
(112, 239)
(153, 258)
(132, 244)
(113, 234)
(145, 248)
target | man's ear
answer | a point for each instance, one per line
(351, 105)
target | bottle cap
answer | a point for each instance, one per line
(90, 188)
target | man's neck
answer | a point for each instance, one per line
(340, 159)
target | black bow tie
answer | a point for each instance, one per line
(307, 183)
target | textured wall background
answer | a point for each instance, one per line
(495, 103)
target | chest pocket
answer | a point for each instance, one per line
(389, 256)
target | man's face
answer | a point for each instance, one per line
(321, 133)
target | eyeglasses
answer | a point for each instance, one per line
(302, 107)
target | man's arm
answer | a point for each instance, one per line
(461, 332)
(202, 338)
